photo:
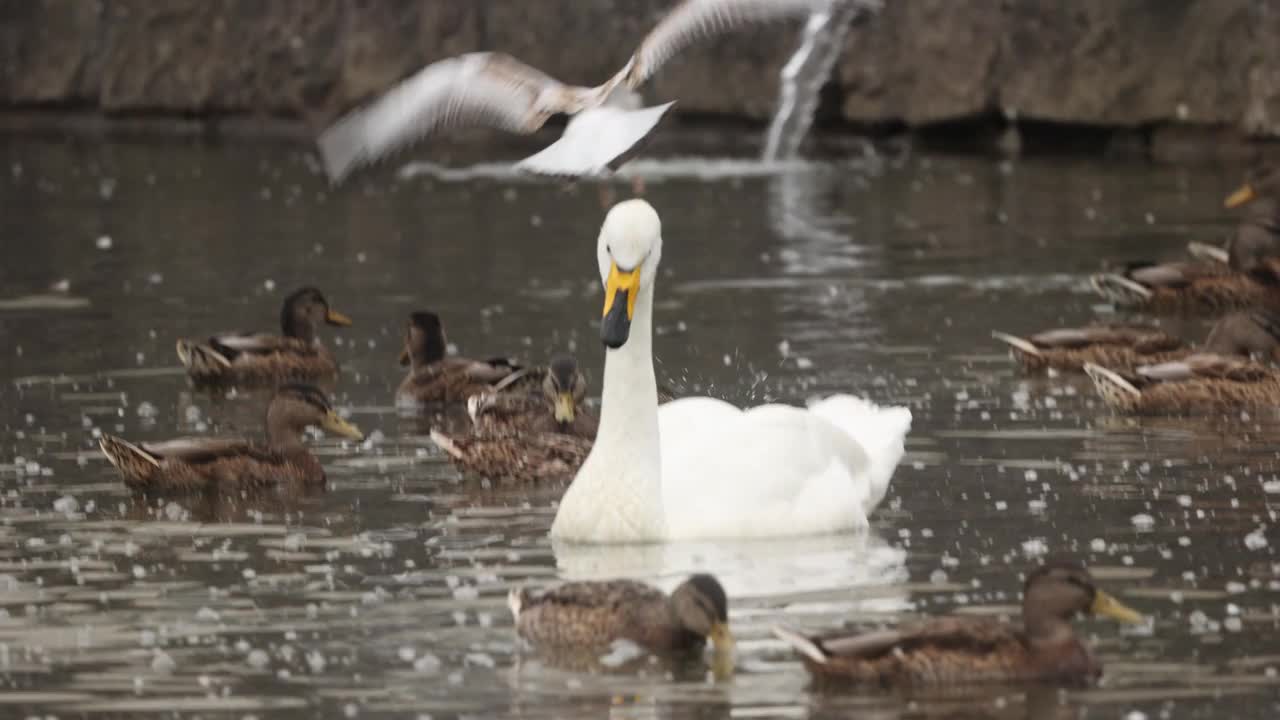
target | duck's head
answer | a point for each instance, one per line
(298, 406)
(1249, 334)
(1263, 182)
(564, 387)
(702, 607)
(424, 340)
(628, 250)
(1059, 590)
(305, 310)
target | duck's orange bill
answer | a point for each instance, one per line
(1245, 193)
(1107, 606)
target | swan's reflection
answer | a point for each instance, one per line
(760, 568)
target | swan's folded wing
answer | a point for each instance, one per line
(695, 20)
(488, 89)
(775, 469)
(880, 431)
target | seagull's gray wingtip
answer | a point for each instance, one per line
(337, 151)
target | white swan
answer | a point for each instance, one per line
(497, 90)
(700, 468)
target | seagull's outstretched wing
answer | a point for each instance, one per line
(596, 142)
(489, 89)
(695, 20)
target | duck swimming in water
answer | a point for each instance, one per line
(1125, 347)
(589, 616)
(435, 377)
(296, 355)
(537, 436)
(229, 465)
(963, 650)
(1250, 278)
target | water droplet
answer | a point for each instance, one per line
(258, 659)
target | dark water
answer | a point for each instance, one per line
(385, 596)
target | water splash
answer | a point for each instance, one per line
(804, 75)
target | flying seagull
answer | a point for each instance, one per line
(497, 90)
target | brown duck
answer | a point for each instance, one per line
(201, 464)
(590, 616)
(1197, 383)
(527, 436)
(962, 650)
(1192, 288)
(296, 355)
(436, 377)
(554, 405)
(1250, 278)
(1068, 349)
(1124, 347)
(1255, 247)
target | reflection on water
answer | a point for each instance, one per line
(384, 596)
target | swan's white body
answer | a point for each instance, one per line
(700, 468)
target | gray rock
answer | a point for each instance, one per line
(1121, 63)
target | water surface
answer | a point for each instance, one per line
(385, 595)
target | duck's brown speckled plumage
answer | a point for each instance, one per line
(1068, 349)
(436, 378)
(960, 650)
(551, 402)
(256, 359)
(1125, 347)
(1250, 278)
(1184, 288)
(202, 464)
(592, 615)
(527, 435)
(528, 457)
(1197, 383)
(954, 651)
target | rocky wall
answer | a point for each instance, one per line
(918, 63)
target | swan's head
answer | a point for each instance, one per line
(628, 251)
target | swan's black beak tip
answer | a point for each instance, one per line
(616, 326)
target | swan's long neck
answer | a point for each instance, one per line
(617, 495)
(629, 405)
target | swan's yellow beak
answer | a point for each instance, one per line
(1245, 193)
(1107, 606)
(620, 292)
(565, 409)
